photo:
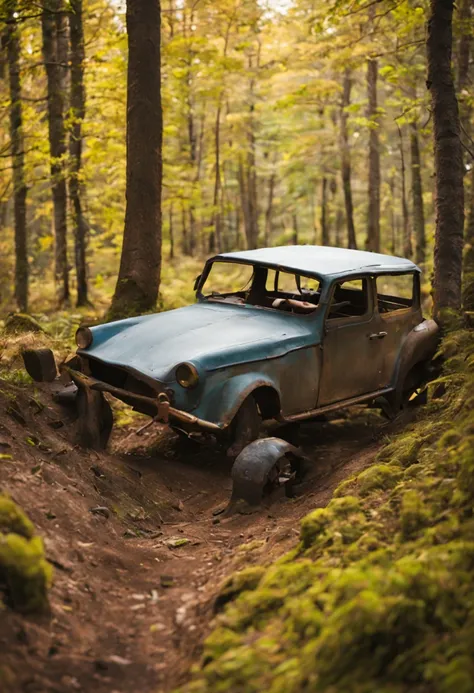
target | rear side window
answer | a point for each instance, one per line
(349, 299)
(395, 292)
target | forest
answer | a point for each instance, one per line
(138, 138)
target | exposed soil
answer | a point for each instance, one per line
(129, 610)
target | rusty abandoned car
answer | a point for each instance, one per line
(283, 333)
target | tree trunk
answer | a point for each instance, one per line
(171, 229)
(346, 160)
(17, 152)
(215, 241)
(185, 239)
(373, 219)
(269, 210)
(295, 229)
(52, 20)
(407, 243)
(417, 197)
(324, 212)
(78, 109)
(449, 201)
(465, 111)
(140, 266)
(393, 216)
(464, 86)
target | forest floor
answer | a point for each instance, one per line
(139, 544)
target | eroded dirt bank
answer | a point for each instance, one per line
(138, 546)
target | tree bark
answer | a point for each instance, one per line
(17, 152)
(295, 229)
(78, 110)
(417, 197)
(269, 210)
(465, 111)
(215, 241)
(373, 218)
(140, 266)
(52, 24)
(407, 242)
(171, 229)
(324, 212)
(346, 160)
(449, 201)
(393, 218)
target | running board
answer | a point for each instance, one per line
(335, 406)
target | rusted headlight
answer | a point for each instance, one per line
(187, 375)
(84, 337)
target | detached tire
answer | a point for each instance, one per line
(245, 427)
(95, 419)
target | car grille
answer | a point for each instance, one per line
(119, 377)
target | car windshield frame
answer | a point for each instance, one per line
(201, 281)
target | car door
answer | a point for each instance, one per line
(352, 344)
(397, 312)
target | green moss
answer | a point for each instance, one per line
(413, 515)
(378, 477)
(378, 594)
(237, 583)
(14, 520)
(25, 575)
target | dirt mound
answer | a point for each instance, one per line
(138, 545)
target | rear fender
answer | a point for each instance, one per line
(222, 402)
(419, 347)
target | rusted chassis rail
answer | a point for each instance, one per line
(162, 411)
(158, 408)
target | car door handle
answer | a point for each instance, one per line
(378, 335)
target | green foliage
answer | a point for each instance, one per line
(378, 595)
(25, 575)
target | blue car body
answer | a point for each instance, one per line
(238, 348)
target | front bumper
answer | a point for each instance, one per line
(159, 408)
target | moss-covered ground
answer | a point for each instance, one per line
(378, 596)
(25, 575)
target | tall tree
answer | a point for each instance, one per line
(464, 91)
(53, 32)
(407, 242)
(373, 217)
(346, 159)
(77, 113)
(12, 39)
(417, 195)
(139, 276)
(449, 200)
(324, 212)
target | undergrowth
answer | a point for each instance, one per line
(25, 574)
(379, 593)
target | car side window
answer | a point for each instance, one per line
(395, 292)
(349, 299)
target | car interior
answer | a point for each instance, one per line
(296, 293)
(268, 288)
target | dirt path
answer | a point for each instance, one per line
(130, 605)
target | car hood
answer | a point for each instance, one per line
(210, 335)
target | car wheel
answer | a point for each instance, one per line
(410, 392)
(95, 419)
(245, 426)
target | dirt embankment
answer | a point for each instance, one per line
(138, 544)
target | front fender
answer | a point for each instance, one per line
(222, 399)
(420, 345)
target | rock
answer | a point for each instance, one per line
(100, 510)
(19, 323)
(166, 580)
(176, 542)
